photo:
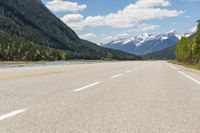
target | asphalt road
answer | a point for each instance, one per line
(117, 97)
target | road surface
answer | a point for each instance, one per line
(116, 97)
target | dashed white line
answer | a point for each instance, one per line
(116, 76)
(6, 116)
(88, 86)
(196, 81)
(129, 71)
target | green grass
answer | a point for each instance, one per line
(5, 63)
(196, 67)
(11, 63)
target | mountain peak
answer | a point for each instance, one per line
(194, 29)
(172, 31)
(145, 43)
(190, 32)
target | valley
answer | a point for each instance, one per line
(99, 66)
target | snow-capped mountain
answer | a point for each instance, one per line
(145, 43)
(169, 53)
(191, 32)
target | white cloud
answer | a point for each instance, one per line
(88, 36)
(75, 21)
(152, 3)
(140, 28)
(108, 38)
(62, 6)
(187, 16)
(123, 35)
(104, 35)
(194, 0)
(131, 16)
(146, 27)
(128, 17)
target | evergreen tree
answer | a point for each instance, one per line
(183, 50)
(196, 45)
(188, 50)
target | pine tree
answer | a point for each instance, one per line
(184, 50)
(197, 42)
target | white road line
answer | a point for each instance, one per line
(129, 71)
(85, 87)
(3, 117)
(196, 81)
(116, 76)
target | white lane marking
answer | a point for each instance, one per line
(196, 81)
(87, 86)
(3, 117)
(116, 76)
(129, 71)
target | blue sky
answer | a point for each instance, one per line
(104, 20)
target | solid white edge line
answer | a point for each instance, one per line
(6, 116)
(87, 86)
(196, 81)
(116, 76)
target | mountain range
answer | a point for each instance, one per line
(170, 52)
(149, 43)
(30, 23)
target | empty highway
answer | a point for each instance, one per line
(115, 97)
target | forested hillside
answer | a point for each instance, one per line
(188, 50)
(165, 54)
(29, 25)
(12, 48)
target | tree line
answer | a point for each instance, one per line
(15, 49)
(30, 32)
(188, 49)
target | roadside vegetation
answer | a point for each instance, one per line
(197, 67)
(15, 49)
(188, 50)
(30, 32)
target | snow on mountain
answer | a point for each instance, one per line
(140, 39)
(145, 43)
(191, 32)
(148, 42)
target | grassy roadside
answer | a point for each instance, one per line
(196, 67)
(8, 63)
(24, 63)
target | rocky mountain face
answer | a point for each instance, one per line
(169, 52)
(145, 43)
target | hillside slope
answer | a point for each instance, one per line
(31, 21)
(165, 54)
